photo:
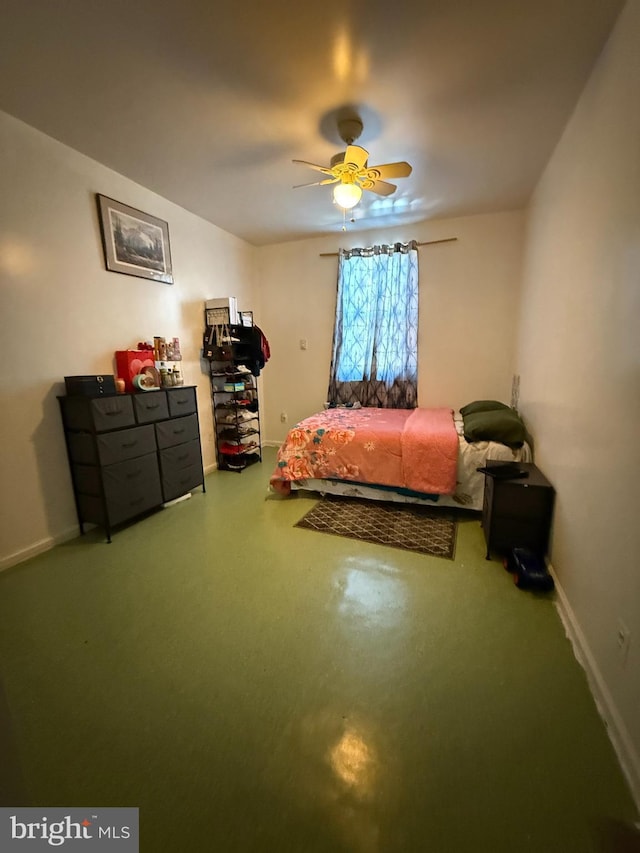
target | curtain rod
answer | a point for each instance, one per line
(426, 243)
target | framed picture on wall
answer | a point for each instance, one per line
(135, 243)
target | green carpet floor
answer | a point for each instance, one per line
(253, 686)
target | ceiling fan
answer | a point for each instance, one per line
(349, 170)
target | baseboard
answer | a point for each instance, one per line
(71, 533)
(271, 443)
(614, 724)
(38, 548)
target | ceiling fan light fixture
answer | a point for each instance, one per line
(347, 195)
(350, 172)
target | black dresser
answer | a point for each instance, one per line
(517, 513)
(131, 453)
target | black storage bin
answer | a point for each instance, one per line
(90, 386)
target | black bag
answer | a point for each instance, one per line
(216, 345)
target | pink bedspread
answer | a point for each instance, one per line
(415, 449)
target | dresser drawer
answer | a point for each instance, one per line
(150, 406)
(181, 469)
(130, 488)
(176, 431)
(107, 448)
(98, 413)
(182, 401)
(89, 479)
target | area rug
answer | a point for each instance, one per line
(406, 526)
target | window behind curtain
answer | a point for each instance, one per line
(375, 341)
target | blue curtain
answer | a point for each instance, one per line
(375, 343)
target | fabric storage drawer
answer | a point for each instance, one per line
(181, 469)
(98, 413)
(150, 406)
(182, 401)
(132, 487)
(176, 431)
(89, 478)
(87, 449)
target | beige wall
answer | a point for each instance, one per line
(469, 293)
(62, 313)
(579, 358)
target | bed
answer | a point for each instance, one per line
(407, 455)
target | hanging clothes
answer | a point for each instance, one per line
(251, 347)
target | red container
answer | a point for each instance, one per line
(130, 362)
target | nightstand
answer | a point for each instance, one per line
(517, 513)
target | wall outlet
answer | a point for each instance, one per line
(284, 417)
(303, 343)
(623, 639)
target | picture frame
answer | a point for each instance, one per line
(134, 242)
(246, 318)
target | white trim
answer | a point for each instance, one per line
(38, 548)
(70, 533)
(614, 724)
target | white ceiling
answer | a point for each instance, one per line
(207, 103)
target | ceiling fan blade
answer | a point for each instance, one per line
(356, 156)
(389, 170)
(379, 187)
(317, 183)
(315, 166)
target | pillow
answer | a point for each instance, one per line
(502, 425)
(482, 406)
